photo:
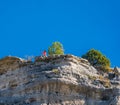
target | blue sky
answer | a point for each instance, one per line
(29, 26)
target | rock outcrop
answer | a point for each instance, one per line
(56, 80)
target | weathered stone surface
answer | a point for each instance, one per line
(57, 80)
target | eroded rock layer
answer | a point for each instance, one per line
(56, 80)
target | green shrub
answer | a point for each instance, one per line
(56, 71)
(97, 59)
(91, 77)
(56, 49)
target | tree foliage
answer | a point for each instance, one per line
(96, 58)
(56, 49)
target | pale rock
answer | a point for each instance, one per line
(56, 80)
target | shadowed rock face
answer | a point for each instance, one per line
(57, 80)
(10, 63)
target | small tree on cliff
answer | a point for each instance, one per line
(97, 59)
(56, 48)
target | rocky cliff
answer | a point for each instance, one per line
(56, 80)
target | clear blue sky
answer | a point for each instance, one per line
(29, 26)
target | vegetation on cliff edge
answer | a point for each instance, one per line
(97, 59)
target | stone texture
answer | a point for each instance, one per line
(57, 80)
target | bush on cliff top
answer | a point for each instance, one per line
(56, 49)
(97, 59)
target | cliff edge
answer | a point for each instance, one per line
(56, 80)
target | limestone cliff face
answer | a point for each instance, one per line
(57, 80)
